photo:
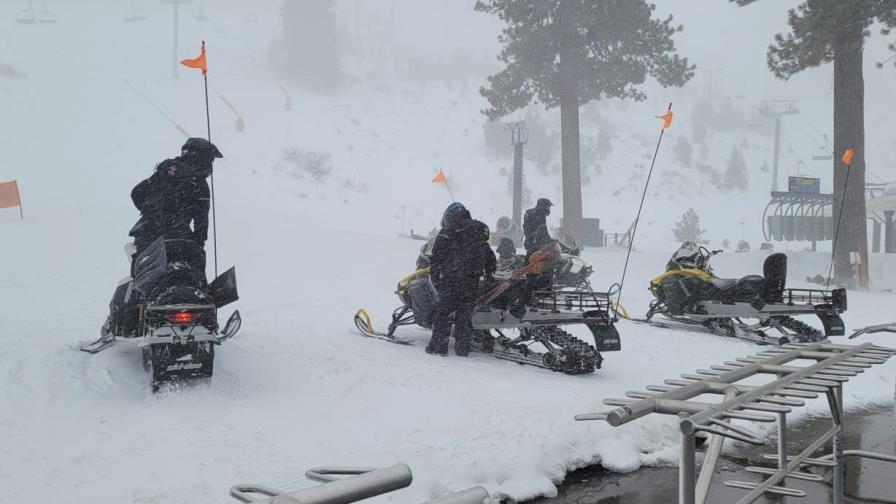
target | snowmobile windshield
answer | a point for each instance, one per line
(568, 244)
(687, 256)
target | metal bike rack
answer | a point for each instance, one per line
(834, 365)
(344, 485)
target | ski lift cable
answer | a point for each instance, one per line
(802, 118)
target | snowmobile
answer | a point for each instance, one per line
(499, 310)
(572, 271)
(689, 293)
(170, 308)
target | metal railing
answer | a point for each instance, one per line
(834, 365)
(344, 485)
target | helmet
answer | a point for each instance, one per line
(200, 148)
(688, 255)
(506, 247)
(453, 210)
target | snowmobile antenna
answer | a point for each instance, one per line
(208, 124)
(847, 160)
(667, 121)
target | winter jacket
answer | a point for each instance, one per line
(536, 229)
(169, 201)
(460, 256)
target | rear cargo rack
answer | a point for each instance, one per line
(571, 300)
(836, 298)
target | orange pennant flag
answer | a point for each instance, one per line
(198, 62)
(848, 155)
(440, 178)
(9, 195)
(667, 118)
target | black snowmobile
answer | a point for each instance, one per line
(172, 310)
(689, 293)
(499, 311)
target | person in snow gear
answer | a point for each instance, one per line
(460, 256)
(537, 237)
(508, 262)
(535, 226)
(175, 196)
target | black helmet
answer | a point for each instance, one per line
(453, 213)
(506, 248)
(200, 148)
(543, 203)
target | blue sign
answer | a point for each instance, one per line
(804, 185)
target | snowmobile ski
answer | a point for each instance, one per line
(365, 326)
(106, 340)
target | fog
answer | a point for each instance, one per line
(346, 130)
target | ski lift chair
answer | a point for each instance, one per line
(46, 15)
(26, 16)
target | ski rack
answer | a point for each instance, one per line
(771, 402)
(343, 485)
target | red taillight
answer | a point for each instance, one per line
(182, 317)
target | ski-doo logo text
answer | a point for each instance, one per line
(183, 366)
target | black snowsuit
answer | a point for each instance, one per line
(460, 256)
(169, 200)
(536, 229)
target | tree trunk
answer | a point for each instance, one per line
(569, 121)
(849, 131)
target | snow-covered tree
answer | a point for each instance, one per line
(683, 152)
(688, 228)
(736, 171)
(569, 52)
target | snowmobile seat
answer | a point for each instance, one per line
(724, 284)
(739, 289)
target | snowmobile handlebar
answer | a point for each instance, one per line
(705, 252)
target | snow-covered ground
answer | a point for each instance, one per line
(298, 387)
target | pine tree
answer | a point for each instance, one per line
(688, 228)
(569, 52)
(834, 31)
(736, 171)
(684, 152)
(308, 51)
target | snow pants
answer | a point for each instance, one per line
(453, 308)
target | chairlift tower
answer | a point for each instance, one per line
(778, 109)
(519, 135)
(175, 4)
